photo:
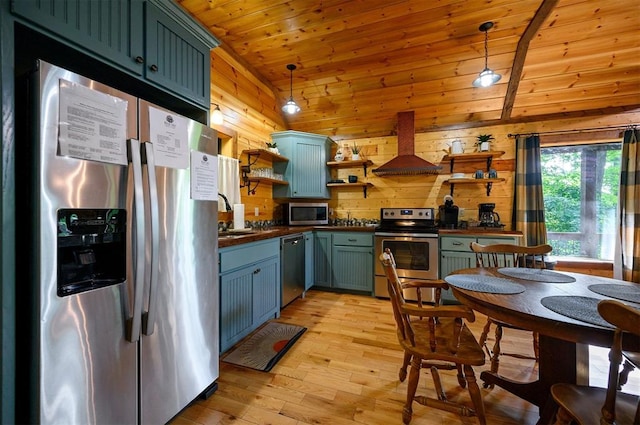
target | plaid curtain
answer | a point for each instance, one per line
(528, 202)
(629, 208)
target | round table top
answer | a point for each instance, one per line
(524, 309)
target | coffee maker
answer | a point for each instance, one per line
(488, 217)
(448, 214)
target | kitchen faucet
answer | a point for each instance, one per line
(226, 202)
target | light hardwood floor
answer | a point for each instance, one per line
(344, 371)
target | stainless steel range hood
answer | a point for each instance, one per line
(406, 163)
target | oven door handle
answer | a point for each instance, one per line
(404, 235)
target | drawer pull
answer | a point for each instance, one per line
(457, 243)
(352, 240)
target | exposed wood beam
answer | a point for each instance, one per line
(521, 54)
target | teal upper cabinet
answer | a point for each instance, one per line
(177, 52)
(155, 40)
(107, 28)
(306, 171)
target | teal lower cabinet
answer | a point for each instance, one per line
(249, 289)
(309, 240)
(456, 254)
(344, 260)
(322, 259)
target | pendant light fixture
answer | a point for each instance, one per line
(487, 77)
(216, 115)
(291, 107)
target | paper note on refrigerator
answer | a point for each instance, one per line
(169, 135)
(204, 176)
(92, 125)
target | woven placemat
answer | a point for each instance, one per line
(538, 275)
(584, 309)
(622, 292)
(490, 284)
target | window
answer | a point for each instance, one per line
(580, 187)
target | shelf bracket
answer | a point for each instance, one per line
(489, 163)
(451, 185)
(489, 185)
(257, 155)
(451, 166)
(365, 174)
(246, 182)
(364, 189)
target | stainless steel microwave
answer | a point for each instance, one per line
(306, 214)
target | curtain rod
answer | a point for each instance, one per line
(627, 126)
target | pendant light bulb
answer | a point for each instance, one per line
(216, 115)
(291, 107)
(487, 77)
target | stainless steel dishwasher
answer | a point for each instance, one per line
(292, 268)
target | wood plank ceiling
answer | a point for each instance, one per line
(360, 62)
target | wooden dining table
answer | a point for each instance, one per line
(563, 354)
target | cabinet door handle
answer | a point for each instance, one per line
(352, 240)
(154, 68)
(256, 271)
(139, 59)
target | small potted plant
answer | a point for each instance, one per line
(483, 142)
(272, 147)
(355, 152)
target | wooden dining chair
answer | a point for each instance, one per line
(506, 255)
(587, 405)
(434, 337)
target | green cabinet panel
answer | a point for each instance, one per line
(156, 41)
(309, 241)
(306, 172)
(322, 259)
(456, 254)
(344, 260)
(175, 58)
(249, 289)
(110, 29)
(352, 267)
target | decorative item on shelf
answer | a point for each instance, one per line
(353, 179)
(484, 142)
(479, 174)
(272, 147)
(456, 147)
(339, 155)
(355, 152)
(487, 77)
(493, 174)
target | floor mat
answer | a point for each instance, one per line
(262, 350)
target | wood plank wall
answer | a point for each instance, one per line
(252, 113)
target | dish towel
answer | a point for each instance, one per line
(228, 181)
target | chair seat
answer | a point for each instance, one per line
(580, 400)
(633, 357)
(469, 351)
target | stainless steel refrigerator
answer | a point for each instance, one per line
(123, 322)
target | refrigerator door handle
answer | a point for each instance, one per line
(133, 322)
(149, 317)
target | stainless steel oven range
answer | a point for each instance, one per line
(412, 236)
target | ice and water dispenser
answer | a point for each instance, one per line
(91, 249)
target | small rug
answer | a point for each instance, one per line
(538, 275)
(263, 349)
(490, 284)
(584, 309)
(621, 292)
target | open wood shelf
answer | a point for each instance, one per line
(488, 182)
(364, 186)
(266, 154)
(474, 156)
